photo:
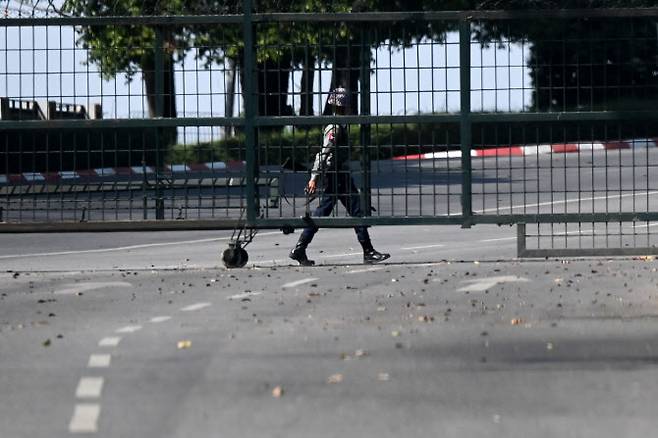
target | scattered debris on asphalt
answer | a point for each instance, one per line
(184, 344)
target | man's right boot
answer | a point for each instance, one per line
(299, 254)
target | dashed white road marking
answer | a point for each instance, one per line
(89, 387)
(72, 289)
(422, 247)
(298, 282)
(129, 329)
(123, 248)
(99, 361)
(158, 319)
(244, 295)
(197, 306)
(483, 284)
(361, 271)
(111, 341)
(85, 418)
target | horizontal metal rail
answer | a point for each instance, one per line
(334, 17)
(520, 117)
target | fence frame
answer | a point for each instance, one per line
(252, 121)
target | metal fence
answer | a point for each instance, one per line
(545, 119)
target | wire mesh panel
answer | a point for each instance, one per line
(171, 111)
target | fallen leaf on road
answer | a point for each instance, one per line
(383, 377)
(516, 321)
(360, 353)
(335, 378)
(184, 344)
(549, 346)
(277, 392)
(46, 343)
(395, 333)
(425, 318)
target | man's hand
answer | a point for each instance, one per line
(311, 187)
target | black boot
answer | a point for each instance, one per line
(371, 255)
(299, 253)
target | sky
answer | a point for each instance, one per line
(44, 63)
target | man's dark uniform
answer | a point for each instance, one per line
(331, 174)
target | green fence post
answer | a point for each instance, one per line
(465, 134)
(159, 111)
(365, 131)
(250, 99)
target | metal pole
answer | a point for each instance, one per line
(465, 120)
(250, 111)
(365, 134)
(159, 111)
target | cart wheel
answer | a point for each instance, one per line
(243, 257)
(230, 257)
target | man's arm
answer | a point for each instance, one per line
(324, 157)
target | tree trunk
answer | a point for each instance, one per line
(308, 77)
(231, 69)
(169, 106)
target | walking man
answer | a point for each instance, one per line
(331, 175)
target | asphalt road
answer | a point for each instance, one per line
(124, 335)
(147, 335)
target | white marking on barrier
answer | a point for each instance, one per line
(482, 284)
(99, 361)
(244, 295)
(178, 167)
(3, 179)
(111, 341)
(73, 289)
(33, 176)
(105, 171)
(194, 307)
(129, 329)
(68, 174)
(422, 247)
(140, 170)
(216, 165)
(85, 418)
(89, 387)
(159, 319)
(298, 282)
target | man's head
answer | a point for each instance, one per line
(339, 99)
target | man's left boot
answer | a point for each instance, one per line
(371, 255)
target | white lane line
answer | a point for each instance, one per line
(123, 248)
(89, 387)
(498, 240)
(197, 306)
(361, 271)
(158, 319)
(298, 282)
(110, 341)
(73, 289)
(422, 247)
(85, 418)
(566, 201)
(129, 329)
(99, 361)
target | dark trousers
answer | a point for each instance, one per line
(339, 187)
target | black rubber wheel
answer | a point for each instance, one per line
(230, 257)
(243, 257)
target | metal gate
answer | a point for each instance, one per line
(204, 119)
